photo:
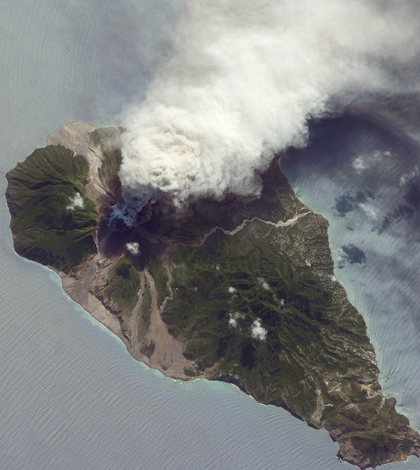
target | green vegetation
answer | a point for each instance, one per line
(222, 287)
(260, 308)
(146, 310)
(280, 327)
(53, 221)
(123, 286)
(157, 270)
(121, 292)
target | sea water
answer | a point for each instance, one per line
(71, 397)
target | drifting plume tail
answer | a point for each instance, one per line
(242, 80)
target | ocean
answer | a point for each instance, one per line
(71, 397)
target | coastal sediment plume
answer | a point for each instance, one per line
(242, 80)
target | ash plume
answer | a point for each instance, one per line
(242, 80)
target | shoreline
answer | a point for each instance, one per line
(167, 355)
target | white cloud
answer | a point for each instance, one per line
(370, 210)
(358, 164)
(404, 179)
(76, 202)
(258, 331)
(133, 248)
(241, 80)
(263, 283)
(362, 162)
(234, 317)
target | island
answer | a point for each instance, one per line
(240, 290)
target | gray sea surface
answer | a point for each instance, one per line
(71, 397)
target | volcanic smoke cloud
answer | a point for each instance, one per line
(241, 81)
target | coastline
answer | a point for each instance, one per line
(167, 355)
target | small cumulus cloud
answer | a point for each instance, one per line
(76, 202)
(234, 317)
(133, 248)
(358, 164)
(263, 283)
(370, 211)
(365, 161)
(258, 331)
(406, 177)
(280, 303)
